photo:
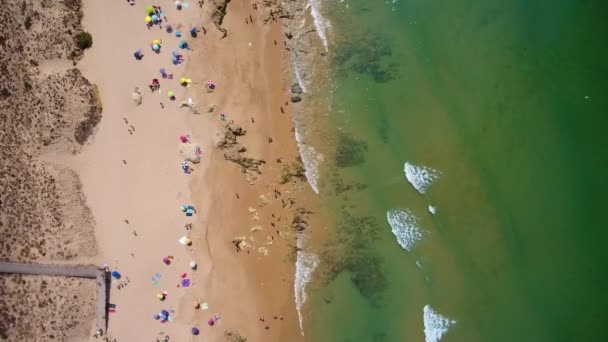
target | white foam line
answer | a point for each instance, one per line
(311, 160)
(421, 177)
(404, 226)
(435, 325)
(305, 264)
(319, 21)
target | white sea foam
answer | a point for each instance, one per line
(305, 264)
(299, 77)
(432, 210)
(435, 325)
(311, 160)
(404, 226)
(421, 177)
(320, 22)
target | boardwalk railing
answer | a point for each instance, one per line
(100, 275)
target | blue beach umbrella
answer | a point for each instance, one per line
(154, 18)
(155, 47)
(183, 44)
(115, 274)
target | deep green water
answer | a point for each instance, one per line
(509, 101)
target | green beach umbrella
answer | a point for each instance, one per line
(171, 94)
(149, 9)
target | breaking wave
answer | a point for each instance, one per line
(319, 21)
(404, 226)
(305, 265)
(435, 325)
(421, 177)
(311, 160)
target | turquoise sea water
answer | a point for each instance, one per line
(506, 100)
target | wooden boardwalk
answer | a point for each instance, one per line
(101, 276)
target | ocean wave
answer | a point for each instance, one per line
(299, 76)
(435, 325)
(305, 264)
(404, 226)
(421, 177)
(319, 21)
(311, 160)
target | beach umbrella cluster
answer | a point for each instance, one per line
(156, 16)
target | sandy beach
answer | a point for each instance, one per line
(134, 185)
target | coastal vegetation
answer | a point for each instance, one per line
(84, 40)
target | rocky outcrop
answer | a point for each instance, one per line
(246, 163)
(296, 89)
(217, 14)
(233, 151)
(228, 135)
(293, 172)
(274, 10)
(299, 222)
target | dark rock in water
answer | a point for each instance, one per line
(296, 89)
(288, 35)
(350, 151)
(296, 99)
(350, 249)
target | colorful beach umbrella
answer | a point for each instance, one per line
(156, 41)
(195, 331)
(154, 18)
(171, 94)
(148, 19)
(149, 10)
(155, 47)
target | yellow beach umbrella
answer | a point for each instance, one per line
(156, 41)
(148, 19)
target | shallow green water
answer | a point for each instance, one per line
(505, 99)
